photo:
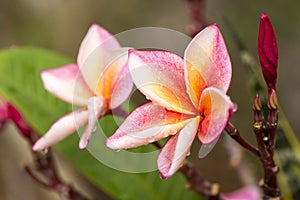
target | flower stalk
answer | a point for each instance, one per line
(265, 131)
(196, 13)
(44, 164)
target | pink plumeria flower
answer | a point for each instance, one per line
(188, 99)
(246, 193)
(100, 82)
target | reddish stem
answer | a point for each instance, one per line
(43, 161)
(234, 134)
(196, 13)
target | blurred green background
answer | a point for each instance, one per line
(60, 25)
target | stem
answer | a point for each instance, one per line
(234, 134)
(44, 164)
(200, 185)
(265, 137)
(196, 14)
(206, 189)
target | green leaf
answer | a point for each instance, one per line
(20, 83)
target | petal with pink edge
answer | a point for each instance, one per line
(159, 76)
(146, 124)
(176, 149)
(207, 54)
(101, 68)
(62, 128)
(215, 108)
(246, 193)
(95, 37)
(96, 108)
(115, 83)
(66, 83)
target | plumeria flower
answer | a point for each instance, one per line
(188, 98)
(246, 193)
(99, 82)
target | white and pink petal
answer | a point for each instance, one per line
(146, 124)
(215, 108)
(95, 37)
(207, 54)
(115, 83)
(96, 108)
(159, 76)
(66, 83)
(176, 149)
(62, 128)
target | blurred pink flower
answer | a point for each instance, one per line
(100, 81)
(9, 112)
(188, 98)
(246, 193)
(267, 51)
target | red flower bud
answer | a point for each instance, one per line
(18, 120)
(3, 112)
(267, 51)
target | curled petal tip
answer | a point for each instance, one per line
(39, 145)
(215, 25)
(83, 144)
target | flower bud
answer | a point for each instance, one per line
(267, 51)
(19, 120)
(3, 112)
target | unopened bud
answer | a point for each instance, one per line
(4, 115)
(19, 120)
(267, 51)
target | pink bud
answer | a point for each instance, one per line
(3, 112)
(18, 120)
(267, 51)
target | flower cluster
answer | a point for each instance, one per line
(188, 95)
(99, 82)
(188, 98)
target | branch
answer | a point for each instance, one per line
(265, 137)
(44, 165)
(195, 181)
(209, 190)
(196, 14)
(234, 134)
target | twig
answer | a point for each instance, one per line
(208, 190)
(265, 137)
(234, 134)
(44, 164)
(196, 14)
